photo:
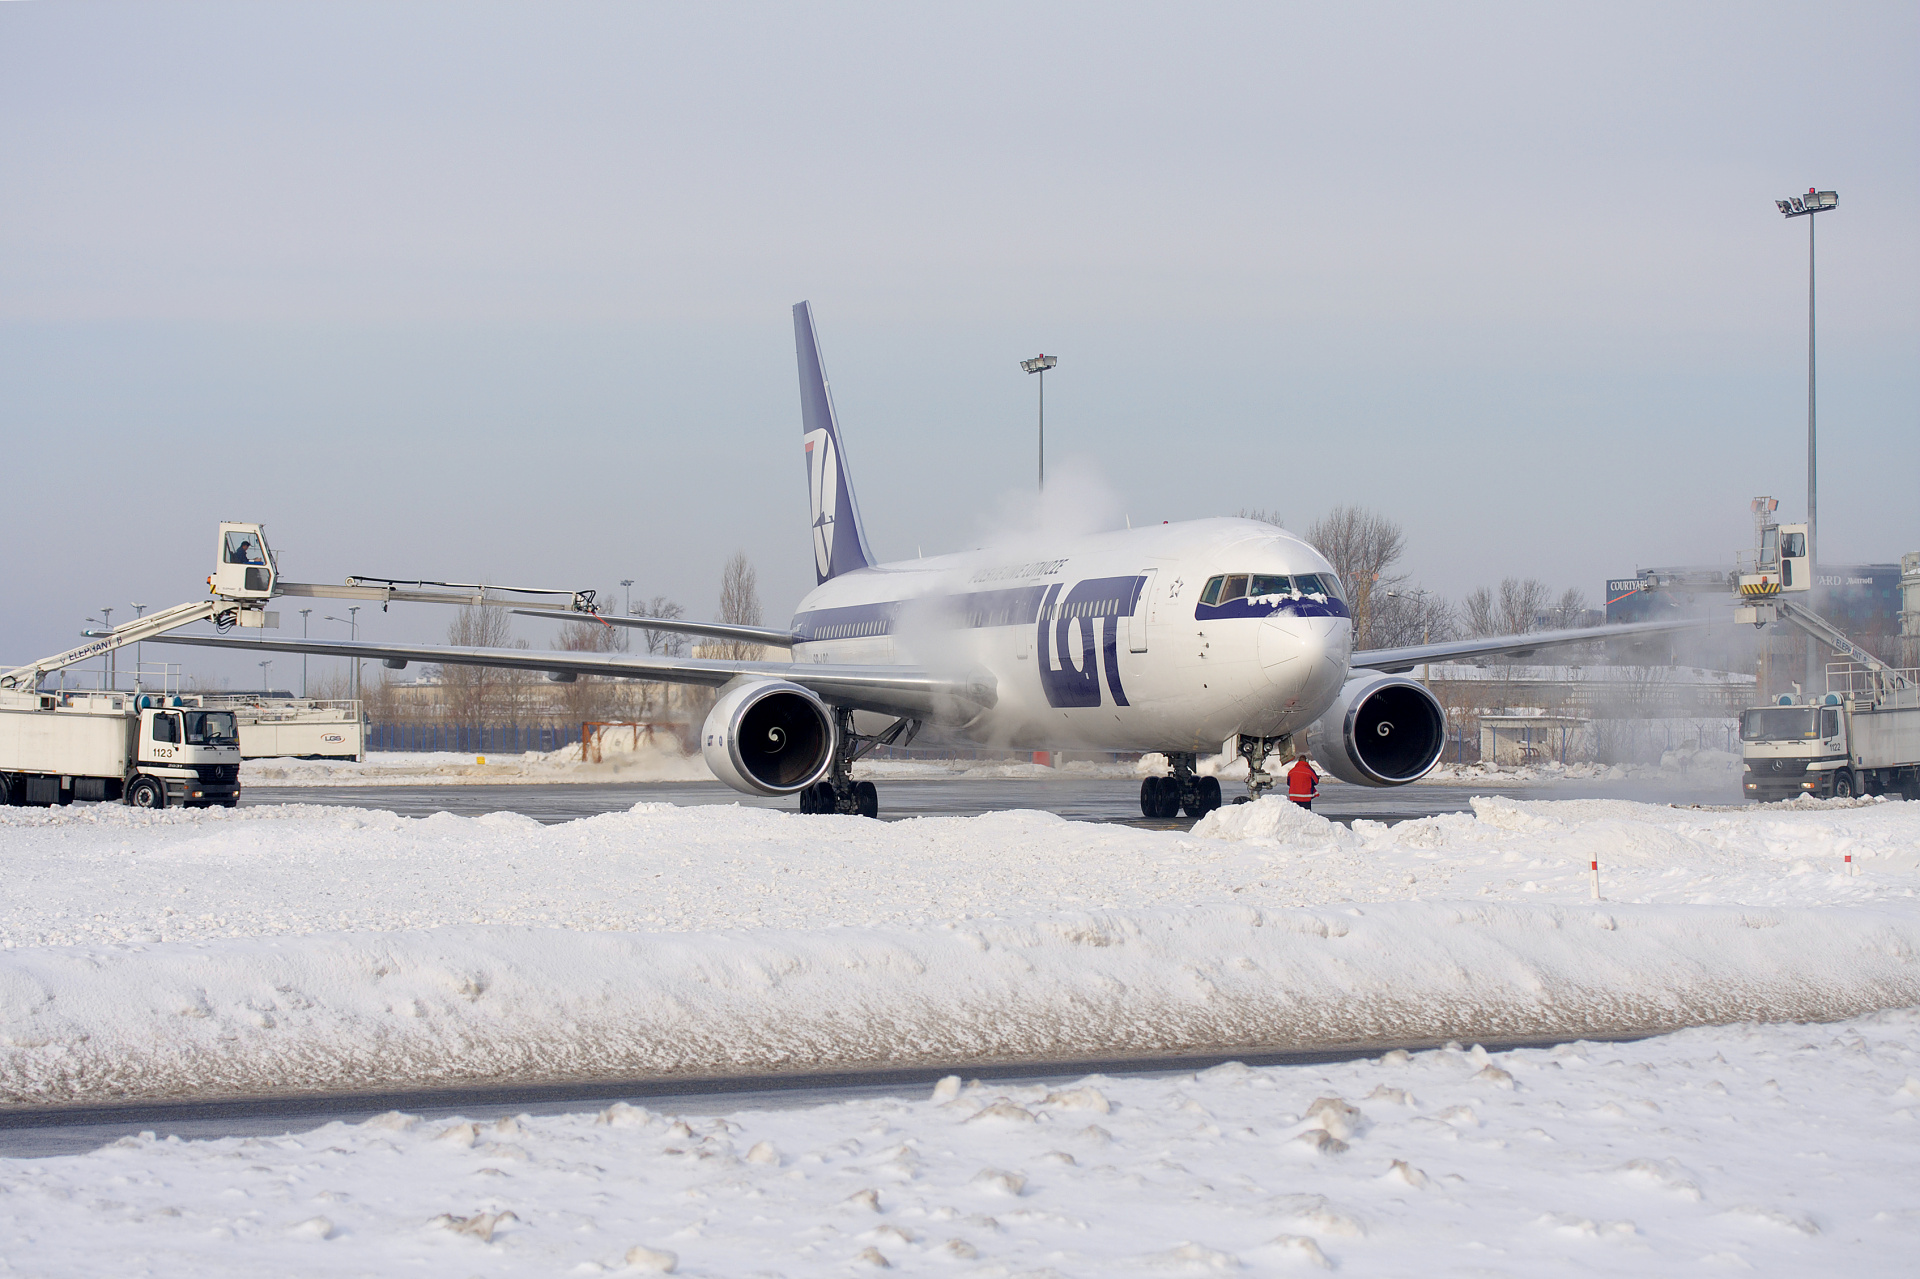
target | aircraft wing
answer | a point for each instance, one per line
(1412, 655)
(715, 630)
(909, 691)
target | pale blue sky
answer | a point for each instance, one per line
(503, 289)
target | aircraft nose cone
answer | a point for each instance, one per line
(1292, 648)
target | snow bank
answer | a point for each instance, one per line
(335, 1011)
(155, 954)
(619, 762)
(1785, 1150)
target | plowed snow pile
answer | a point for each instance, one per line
(257, 950)
(1786, 1150)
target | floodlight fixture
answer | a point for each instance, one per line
(1813, 201)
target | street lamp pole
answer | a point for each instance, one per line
(138, 649)
(1805, 206)
(304, 614)
(626, 584)
(352, 622)
(1040, 364)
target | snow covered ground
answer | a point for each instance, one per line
(664, 764)
(617, 763)
(1783, 1150)
(264, 949)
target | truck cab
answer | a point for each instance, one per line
(1794, 749)
(185, 755)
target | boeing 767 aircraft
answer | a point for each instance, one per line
(1176, 638)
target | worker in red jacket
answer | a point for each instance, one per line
(1303, 784)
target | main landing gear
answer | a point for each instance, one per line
(1185, 791)
(837, 792)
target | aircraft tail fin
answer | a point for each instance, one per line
(839, 540)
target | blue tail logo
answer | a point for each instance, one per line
(839, 541)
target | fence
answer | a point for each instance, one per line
(472, 739)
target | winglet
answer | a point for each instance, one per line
(839, 540)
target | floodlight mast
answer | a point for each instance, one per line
(1805, 206)
(1040, 364)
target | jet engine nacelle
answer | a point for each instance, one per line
(1382, 730)
(768, 737)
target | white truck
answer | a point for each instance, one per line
(1863, 739)
(1831, 746)
(295, 728)
(154, 749)
(143, 748)
(151, 750)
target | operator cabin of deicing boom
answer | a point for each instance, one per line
(1173, 638)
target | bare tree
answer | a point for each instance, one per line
(1478, 613)
(1265, 517)
(1522, 603)
(1362, 547)
(477, 694)
(1571, 609)
(665, 643)
(740, 605)
(593, 697)
(1405, 617)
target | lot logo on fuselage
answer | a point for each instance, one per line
(1075, 629)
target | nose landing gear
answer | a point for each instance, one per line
(1165, 797)
(1255, 751)
(837, 792)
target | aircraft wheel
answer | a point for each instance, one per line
(806, 799)
(1159, 798)
(146, 793)
(1206, 796)
(867, 798)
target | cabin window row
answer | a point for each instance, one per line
(851, 630)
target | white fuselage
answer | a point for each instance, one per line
(1102, 642)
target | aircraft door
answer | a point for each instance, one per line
(1142, 612)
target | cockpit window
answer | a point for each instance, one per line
(1232, 586)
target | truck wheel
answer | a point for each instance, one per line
(146, 793)
(1843, 785)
